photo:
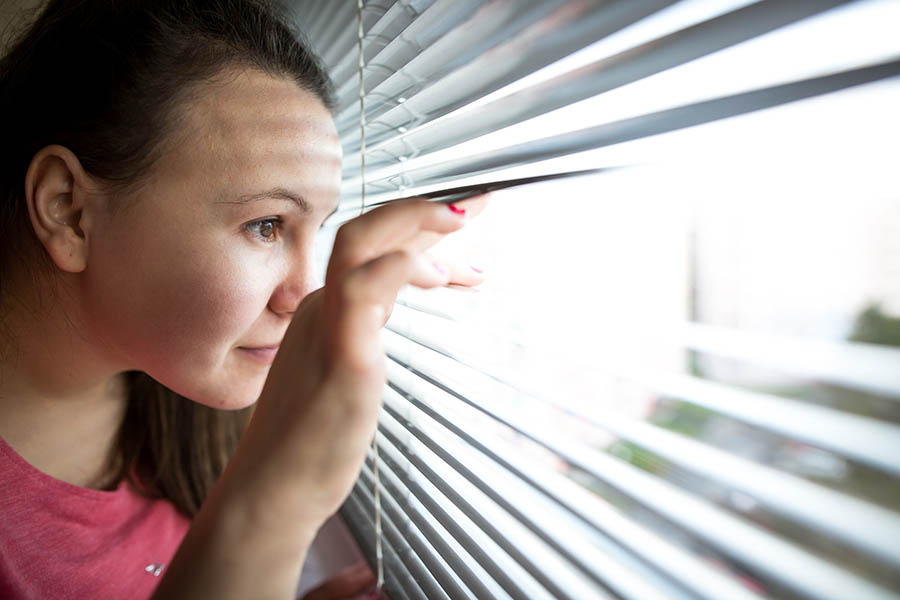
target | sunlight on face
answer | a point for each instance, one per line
(195, 279)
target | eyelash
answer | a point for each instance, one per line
(252, 228)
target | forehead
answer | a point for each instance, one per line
(249, 130)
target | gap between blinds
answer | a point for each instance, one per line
(467, 491)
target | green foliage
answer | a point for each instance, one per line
(638, 456)
(875, 327)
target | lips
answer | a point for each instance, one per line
(262, 354)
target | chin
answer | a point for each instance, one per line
(238, 397)
(228, 393)
(223, 384)
(233, 404)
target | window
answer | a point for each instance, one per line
(682, 378)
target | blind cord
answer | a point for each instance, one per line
(379, 555)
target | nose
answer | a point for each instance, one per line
(299, 280)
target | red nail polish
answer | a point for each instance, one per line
(457, 210)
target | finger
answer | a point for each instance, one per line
(423, 275)
(361, 302)
(349, 582)
(386, 229)
(462, 273)
(474, 205)
(408, 234)
(378, 281)
(426, 239)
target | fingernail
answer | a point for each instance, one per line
(476, 269)
(456, 209)
(440, 269)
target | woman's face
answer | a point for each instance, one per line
(194, 278)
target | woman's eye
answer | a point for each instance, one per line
(264, 229)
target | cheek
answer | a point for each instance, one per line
(178, 308)
(198, 308)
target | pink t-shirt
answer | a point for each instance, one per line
(59, 540)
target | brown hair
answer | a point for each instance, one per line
(104, 78)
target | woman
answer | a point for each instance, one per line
(165, 168)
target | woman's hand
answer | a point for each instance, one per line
(319, 407)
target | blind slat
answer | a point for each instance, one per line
(417, 37)
(571, 545)
(857, 365)
(429, 515)
(865, 439)
(542, 562)
(861, 366)
(432, 85)
(802, 501)
(598, 77)
(474, 28)
(613, 133)
(315, 15)
(782, 561)
(397, 504)
(357, 516)
(648, 547)
(793, 497)
(457, 518)
(332, 37)
(380, 35)
(410, 550)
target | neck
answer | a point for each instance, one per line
(61, 402)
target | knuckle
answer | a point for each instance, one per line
(366, 368)
(403, 258)
(346, 233)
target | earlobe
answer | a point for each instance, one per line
(55, 193)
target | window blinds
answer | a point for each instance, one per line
(501, 473)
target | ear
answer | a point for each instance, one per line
(56, 190)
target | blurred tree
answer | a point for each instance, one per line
(873, 326)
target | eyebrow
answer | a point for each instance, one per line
(273, 194)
